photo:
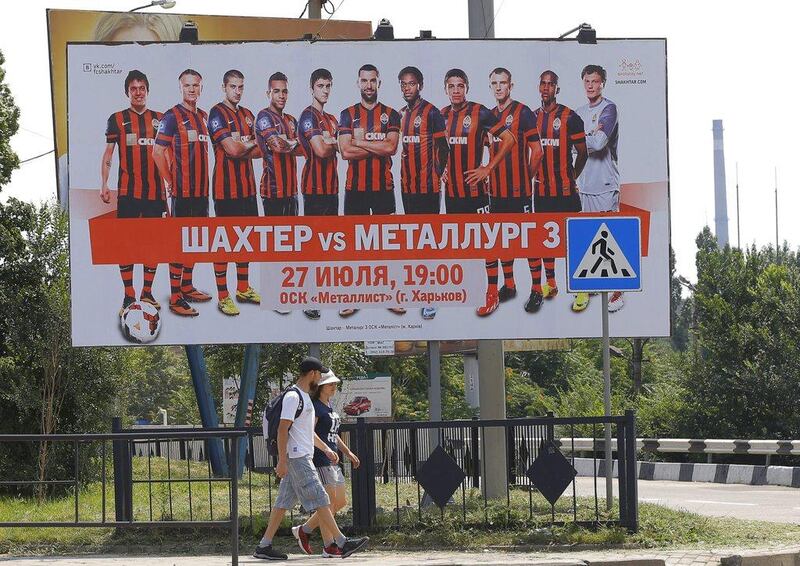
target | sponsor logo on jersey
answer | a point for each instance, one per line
(203, 138)
(145, 141)
(374, 136)
(467, 121)
(384, 118)
(552, 142)
(411, 139)
(458, 140)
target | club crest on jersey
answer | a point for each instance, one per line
(248, 121)
(467, 121)
(557, 124)
(509, 120)
(384, 118)
(156, 124)
(215, 123)
(307, 124)
(262, 124)
(417, 121)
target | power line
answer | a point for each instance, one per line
(491, 24)
(336, 9)
(36, 156)
(303, 13)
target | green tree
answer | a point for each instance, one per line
(9, 125)
(744, 373)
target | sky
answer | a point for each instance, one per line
(726, 61)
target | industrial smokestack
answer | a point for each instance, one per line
(720, 191)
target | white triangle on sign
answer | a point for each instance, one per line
(604, 259)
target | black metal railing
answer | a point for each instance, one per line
(164, 477)
(125, 481)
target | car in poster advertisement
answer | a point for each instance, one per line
(357, 406)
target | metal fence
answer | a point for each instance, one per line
(158, 480)
(119, 460)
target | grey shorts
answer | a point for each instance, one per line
(331, 475)
(302, 483)
(604, 202)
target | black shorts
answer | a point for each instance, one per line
(236, 206)
(572, 203)
(358, 203)
(130, 207)
(320, 205)
(421, 203)
(506, 205)
(467, 205)
(286, 206)
(192, 207)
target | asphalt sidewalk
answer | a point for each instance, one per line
(773, 556)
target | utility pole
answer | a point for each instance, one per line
(315, 9)
(491, 363)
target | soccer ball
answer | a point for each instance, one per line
(140, 323)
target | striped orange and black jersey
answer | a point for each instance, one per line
(467, 131)
(185, 132)
(559, 131)
(320, 175)
(135, 135)
(512, 177)
(373, 173)
(420, 127)
(279, 178)
(233, 177)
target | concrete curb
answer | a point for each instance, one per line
(765, 559)
(786, 476)
(627, 562)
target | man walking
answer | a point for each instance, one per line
(300, 480)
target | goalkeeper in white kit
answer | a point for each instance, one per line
(598, 183)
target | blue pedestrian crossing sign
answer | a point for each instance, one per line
(604, 254)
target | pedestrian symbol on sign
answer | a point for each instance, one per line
(604, 258)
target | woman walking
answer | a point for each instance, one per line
(327, 429)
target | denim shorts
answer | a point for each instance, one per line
(331, 475)
(302, 483)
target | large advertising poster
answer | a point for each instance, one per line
(359, 190)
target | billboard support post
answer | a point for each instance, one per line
(434, 388)
(206, 406)
(492, 396)
(607, 403)
(247, 393)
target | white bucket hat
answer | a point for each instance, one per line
(327, 378)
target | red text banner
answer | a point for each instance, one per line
(334, 239)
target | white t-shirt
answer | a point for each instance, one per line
(301, 434)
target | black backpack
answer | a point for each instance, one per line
(272, 418)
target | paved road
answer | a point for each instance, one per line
(761, 502)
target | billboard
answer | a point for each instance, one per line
(373, 204)
(366, 396)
